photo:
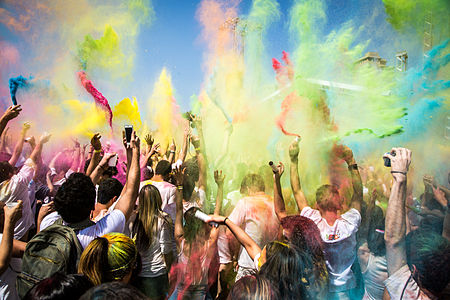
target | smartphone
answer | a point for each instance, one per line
(128, 132)
(112, 162)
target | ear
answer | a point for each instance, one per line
(112, 200)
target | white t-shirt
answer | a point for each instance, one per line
(8, 280)
(153, 264)
(112, 222)
(374, 277)
(255, 214)
(167, 192)
(339, 246)
(17, 189)
(402, 282)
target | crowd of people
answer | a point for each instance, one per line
(142, 222)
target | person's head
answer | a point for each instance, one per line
(375, 235)
(304, 234)
(191, 176)
(113, 290)
(60, 286)
(146, 223)
(253, 287)
(6, 171)
(289, 270)
(194, 228)
(75, 199)
(428, 257)
(163, 168)
(328, 198)
(108, 191)
(147, 172)
(252, 183)
(112, 257)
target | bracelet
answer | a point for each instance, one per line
(353, 167)
(197, 149)
(399, 172)
(171, 151)
(179, 187)
(97, 151)
(225, 221)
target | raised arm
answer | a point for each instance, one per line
(201, 163)
(128, 198)
(37, 151)
(295, 178)
(441, 197)
(357, 196)
(10, 113)
(179, 180)
(12, 215)
(19, 146)
(396, 212)
(183, 151)
(246, 241)
(172, 149)
(278, 201)
(219, 178)
(101, 167)
(95, 158)
(76, 156)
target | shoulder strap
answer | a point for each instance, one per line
(76, 226)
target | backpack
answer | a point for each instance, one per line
(54, 249)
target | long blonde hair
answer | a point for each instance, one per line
(149, 211)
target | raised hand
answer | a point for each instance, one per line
(219, 177)
(45, 137)
(32, 141)
(25, 127)
(12, 112)
(13, 213)
(280, 170)
(440, 196)
(135, 142)
(104, 162)
(294, 150)
(178, 176)
(401, 161)
(149, 140)
(95, 142)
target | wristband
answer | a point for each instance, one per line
(225, 221)
(399, 172)
(97, 151)
(197, 149)
(171, 151)
(353, 167)
(180, 187)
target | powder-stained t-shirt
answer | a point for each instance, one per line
(402, 282)
(339, 246)
(16, 189)
(256, 215)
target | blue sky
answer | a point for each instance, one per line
(173, 39)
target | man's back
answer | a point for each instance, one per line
(255, 214)
(339, 246)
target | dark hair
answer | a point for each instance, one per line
(108, 189)
(163, 168)
(193, 226)
(430, 254)
(5, 170)
(191, 176)
(324, 195)
(253, 287)
(290, 270)
(113, 290)
(60, 286)
(375, 239)
(75, 198)
(252, 180)
(305, 235)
